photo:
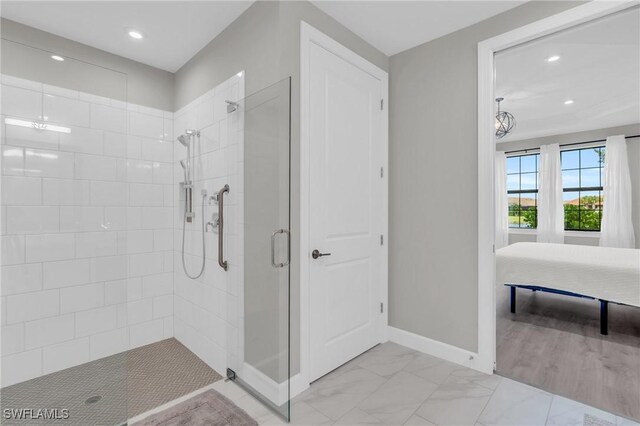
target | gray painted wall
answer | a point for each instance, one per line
(265, 42)
(249, 44)
(433, 277)
(145, 85)
(633, 151)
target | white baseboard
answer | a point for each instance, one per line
(299, 384)
(278, 393)
(438, 349)
(263, 384)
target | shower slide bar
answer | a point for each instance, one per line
(223, 263)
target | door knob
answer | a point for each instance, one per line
(316, 254)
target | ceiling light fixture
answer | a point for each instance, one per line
(505, 121)
(553, 58)
(568, 102)
(135, 34)
(57, 58)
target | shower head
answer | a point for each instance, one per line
(184, 140)
(183, 164)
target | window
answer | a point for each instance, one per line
(582, 181)
(582, 175)
(522, 188)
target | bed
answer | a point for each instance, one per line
(608, 275)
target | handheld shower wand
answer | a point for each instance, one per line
(184, 169)
(186, 140)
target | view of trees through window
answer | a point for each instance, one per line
(522, 190)
(582, 182)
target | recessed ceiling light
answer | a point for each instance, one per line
(57, 58)
(553, 58)
(135, 34)
(569, 102)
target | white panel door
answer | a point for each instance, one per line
(346, 210)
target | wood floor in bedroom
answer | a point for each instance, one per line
(554, 343)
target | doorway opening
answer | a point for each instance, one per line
(551, 335)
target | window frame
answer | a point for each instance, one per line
(580, 189)
(521, 191)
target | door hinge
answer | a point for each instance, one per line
(381, 307)
(494, 248)
(381, 239)
(381, 104)
(381, 172)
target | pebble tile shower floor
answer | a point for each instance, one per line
(128, 384)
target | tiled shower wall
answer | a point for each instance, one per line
(206, 309)
(87, 229)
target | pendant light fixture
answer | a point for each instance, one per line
(505, 121)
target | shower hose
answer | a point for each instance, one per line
(184, 223)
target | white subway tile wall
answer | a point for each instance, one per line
(87, 228)
(200, 319)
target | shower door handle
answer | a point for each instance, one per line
(273, 248)
(223, 263)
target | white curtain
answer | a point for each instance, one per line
(502, 201)
(550, 208)
(617, 228)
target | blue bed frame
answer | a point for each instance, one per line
(604, 304)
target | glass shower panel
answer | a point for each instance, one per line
(259, 349)
(64, 218)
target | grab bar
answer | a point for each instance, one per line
(223, 263)
(273, 248)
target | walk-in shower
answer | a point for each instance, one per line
(187, 140)
(98, 316)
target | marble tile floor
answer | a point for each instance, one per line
(394, 385)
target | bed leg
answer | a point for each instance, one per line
(513, 299)
(604, 317)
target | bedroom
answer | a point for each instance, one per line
(567, 310)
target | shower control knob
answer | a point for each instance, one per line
(212, 226)
(316, 254)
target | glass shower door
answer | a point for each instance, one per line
(259, 335)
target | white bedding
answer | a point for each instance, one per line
(605, 273)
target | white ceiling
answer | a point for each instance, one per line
(395, 26)
(174, 31)
(599, 69)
